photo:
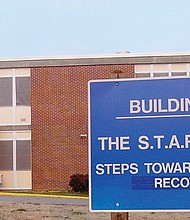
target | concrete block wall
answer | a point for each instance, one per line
(59, 99)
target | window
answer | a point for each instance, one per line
(6, 155)
(142, 75)
(160, 74)
(7, 95)
(23, 91)
(5, 92)
(23, 155)
(179, 74)
(162, 70)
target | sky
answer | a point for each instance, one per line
(33, 28)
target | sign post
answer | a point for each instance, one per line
(119, 216)
(139, 145)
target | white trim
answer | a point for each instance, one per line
(14, 161)
(14, 96)
(148, 210)
(8, 124)
(16, 132)
(160, 71)
(1, 179)
(6, 139)
(23, 139)
(137, 72)
(17, 76)
(6, 76)
(1, 189)
(151, 70)
(89, 147)
(188, 69)
(22, 124)
(14, 73)
(12, 76)
(179, 71)
(150, 116)
(137, 79)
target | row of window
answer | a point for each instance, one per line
(164, 74)
(22, 91)
(162, 70)
(23, 155)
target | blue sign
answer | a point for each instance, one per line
(139, 144)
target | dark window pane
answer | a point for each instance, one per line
(23, 91)
(142, 75)
(179, 74)
(23, 155)
(6, 155)
(5, 92)
(161, 74)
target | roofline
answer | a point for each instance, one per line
(108, 59)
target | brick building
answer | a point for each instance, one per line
(44, 112)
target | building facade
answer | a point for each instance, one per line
(44, 113)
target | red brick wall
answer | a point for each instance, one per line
(59, 117)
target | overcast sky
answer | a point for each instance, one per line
(30, 28)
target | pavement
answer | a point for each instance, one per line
(43, 199)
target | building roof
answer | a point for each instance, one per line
(101, 59)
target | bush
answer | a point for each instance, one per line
(79, 182)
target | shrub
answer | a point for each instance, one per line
(79, 182)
